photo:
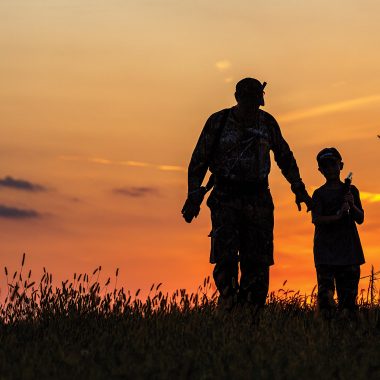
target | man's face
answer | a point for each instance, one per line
(330, 168)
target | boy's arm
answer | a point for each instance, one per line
(356, 209)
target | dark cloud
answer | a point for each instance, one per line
(20, 184)
(76, 200)
(17, 213)
(136, 192)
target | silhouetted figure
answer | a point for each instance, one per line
(234, 145)
(338, 253)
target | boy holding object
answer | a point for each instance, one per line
(338, 253)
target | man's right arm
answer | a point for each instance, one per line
(198, 166)
(200, 158)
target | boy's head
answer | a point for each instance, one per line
(330, 163)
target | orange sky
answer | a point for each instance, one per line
(102, 95)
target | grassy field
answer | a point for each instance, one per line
(85, 330)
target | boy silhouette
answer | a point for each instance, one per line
(338, 253)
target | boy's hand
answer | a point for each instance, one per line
(344, 209)
(349, 198)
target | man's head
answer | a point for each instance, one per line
(250, 92)
(330, 163)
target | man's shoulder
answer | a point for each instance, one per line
(268, 117)
(218, 115)
(213, 121)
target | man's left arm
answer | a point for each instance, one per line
(288, 165)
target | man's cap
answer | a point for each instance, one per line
(329, 154)
(248, 85)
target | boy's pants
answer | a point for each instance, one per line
(345, 278)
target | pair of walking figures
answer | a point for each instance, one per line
(235, 146)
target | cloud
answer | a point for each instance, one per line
(369, 197)
(137, 164)
(74, 199)
(329, 108)
(223, 65)
(17, 213)
(172, 168)
(20, 184)
(101, 161)
(136, 192)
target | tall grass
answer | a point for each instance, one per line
(91, 330)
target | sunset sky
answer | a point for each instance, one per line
(102, 102)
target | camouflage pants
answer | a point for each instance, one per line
(242, 231)
(345, 278)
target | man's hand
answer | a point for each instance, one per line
(190, 210)
(192, 206)
(303, 197)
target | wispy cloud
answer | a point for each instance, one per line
(329, 108)
(223, 65)
(20, 184)
(171, 168)
(17, 213)
(136, 192)
(135, 163)
(101, 161)
(140, 164)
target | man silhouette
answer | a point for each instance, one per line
(234, 145)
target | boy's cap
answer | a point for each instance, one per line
(329, 154)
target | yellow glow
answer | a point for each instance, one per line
(370, 197)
